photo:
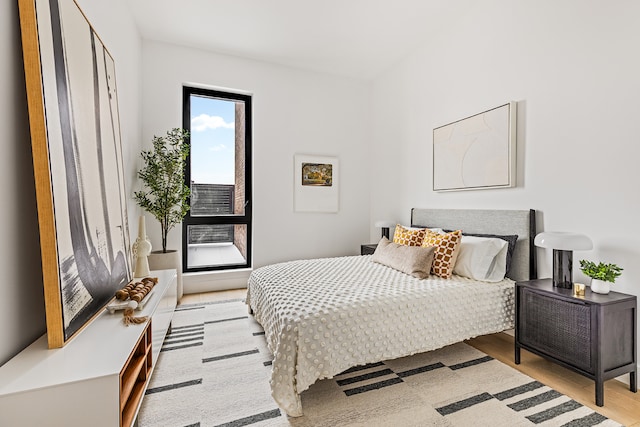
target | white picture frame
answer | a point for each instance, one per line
(477, 152)
(316, 183)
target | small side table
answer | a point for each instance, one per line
(368, 249)
(593, 335)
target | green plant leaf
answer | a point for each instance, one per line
(165, 194)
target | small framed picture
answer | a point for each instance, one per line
(315, 183)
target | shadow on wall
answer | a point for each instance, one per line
(22, 314)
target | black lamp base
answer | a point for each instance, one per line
(562, 269)
(385, 232)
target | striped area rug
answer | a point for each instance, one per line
(214, 370)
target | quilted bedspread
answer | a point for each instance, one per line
(324, 316)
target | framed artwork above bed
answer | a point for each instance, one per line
(477, 152)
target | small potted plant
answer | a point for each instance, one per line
(165, 194)
(602, 274)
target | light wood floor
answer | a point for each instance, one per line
(620, 404)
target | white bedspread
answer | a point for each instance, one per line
(324, 316)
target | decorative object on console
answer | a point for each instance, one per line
(563, 245)
(601, 275)
(78, 164)
(166, 195)
(476, 152)
(578, 289)
(316, 183)
(385, 225)
(141, 249)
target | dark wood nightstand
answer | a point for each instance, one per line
(594, 335)
(368, 249)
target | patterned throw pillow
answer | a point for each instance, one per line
(447, 245)
(408, 236)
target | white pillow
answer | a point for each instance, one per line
(482, 258)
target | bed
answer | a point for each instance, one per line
(323, 316)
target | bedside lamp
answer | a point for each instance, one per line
(385, 225)
(563, 245)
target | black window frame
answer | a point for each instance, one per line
(235, 219)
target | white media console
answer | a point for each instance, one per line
(98, 378)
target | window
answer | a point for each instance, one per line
(217, 229)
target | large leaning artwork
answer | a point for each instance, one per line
(77, 155)
(477, 152)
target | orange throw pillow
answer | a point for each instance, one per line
(408, 236)
(447, 247)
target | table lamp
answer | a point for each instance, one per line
(385, 225)
(563, 245)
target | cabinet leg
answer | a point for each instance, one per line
(633, 381)
(599, 393)
(517, 355)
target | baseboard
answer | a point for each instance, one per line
(210, 281)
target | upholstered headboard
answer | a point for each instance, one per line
(503, 222)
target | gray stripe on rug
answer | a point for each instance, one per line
(525, 388)
(463, 404)
(275, 413)
(590, 420)
(361, 368)
(185, 308)
(365, 377)
(230, 356)
(551, 413)
(420, 370)
(374, 386)
(173, 386)
(181, 328)
(180, 347)
(178, 341)
(471, 363)
(202, 304)
(534, 401)
(225, 320)
(185, 335)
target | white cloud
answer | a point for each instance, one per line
(219, 147)
(205, 121)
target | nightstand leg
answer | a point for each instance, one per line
(599, 392)
(633, 381)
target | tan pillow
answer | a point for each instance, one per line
(413, 260)
(408, 236)
(446, 246)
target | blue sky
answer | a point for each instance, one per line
(212, 141)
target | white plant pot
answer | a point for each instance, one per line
(600, 286)
(165, 261)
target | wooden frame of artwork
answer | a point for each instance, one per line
(78, 166)
(315, 181)
(477, 152)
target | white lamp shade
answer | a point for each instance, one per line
(384, 224)
(565, 241)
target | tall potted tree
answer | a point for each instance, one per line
(165, 194)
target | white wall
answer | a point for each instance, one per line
(22, 316)
(571, 67)
(293, 112)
